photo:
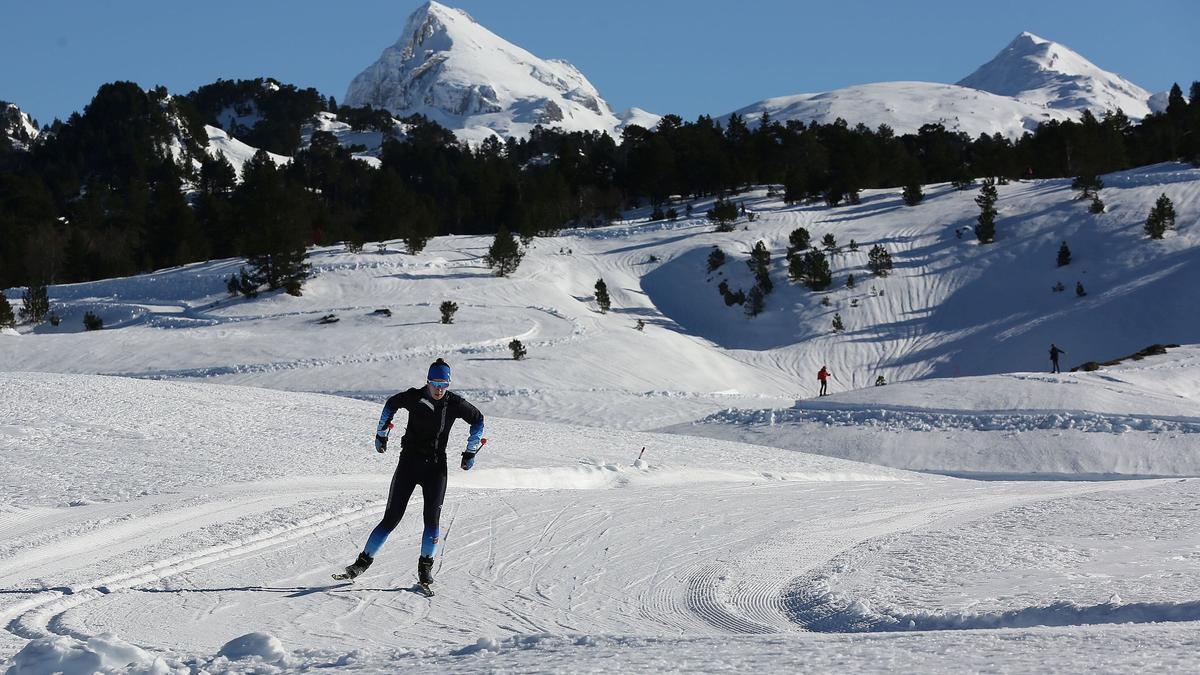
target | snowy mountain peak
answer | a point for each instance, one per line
(1043, 72)
(456, 72)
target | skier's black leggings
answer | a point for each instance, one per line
(413, 470)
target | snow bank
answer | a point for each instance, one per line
(262, 646)
(75, 657)
(840, 614)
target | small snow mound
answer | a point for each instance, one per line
(263, 645)
(71, 657)
(482, 646)
(9, 331)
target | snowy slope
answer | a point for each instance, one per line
(1045, 73)
(456, 72)
(176, 527)
(235, 151)
(906, 106)
(1135, 419)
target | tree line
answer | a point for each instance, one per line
(126, 186)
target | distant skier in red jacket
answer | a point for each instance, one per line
(823, 375)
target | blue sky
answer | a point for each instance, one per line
(686, 57)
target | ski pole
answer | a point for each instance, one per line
(641, 453)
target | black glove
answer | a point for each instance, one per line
(468, 461)
(380, 443)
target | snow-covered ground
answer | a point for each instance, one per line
(157, 522)
(186, 515)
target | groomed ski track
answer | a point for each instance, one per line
(526, 560)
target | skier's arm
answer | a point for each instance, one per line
(385, 419)
(470, 414)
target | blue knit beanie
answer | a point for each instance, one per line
(439, 370)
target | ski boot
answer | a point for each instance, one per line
(358, 567)
(425, 574)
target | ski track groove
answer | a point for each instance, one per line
(37, 616)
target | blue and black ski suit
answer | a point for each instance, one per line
(422, 459)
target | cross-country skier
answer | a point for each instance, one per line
(823, 375)
(1054, 352)
(432, 409)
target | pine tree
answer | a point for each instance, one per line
(755, 302)
(1079, 292)
(92, 321)
(448, 309)
(794, 187)
(602, 299)
(716, 258)
(879, 381)
(798, 240)
(850, 281)
(1161, 218)
(723, 213)
(1097, 205)
(985, 229)
(7, 320)
(276, 216)
(829, 242)
(1064, 255)
(913, 194)
(838, 326)
(281, 269)
(36, 303)
(504, 256)
(760, 258)
(518, 349)
(879, 261)
(1087, 184)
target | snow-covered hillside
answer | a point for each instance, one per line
(1029, 82)
(950, 308)
(1045, 73)
(456, 72)
(906, 107)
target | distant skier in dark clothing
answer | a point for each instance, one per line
(1054, 352)
(431, 412)
(823, 375)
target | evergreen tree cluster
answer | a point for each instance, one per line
(760, 266)
(261, 112)
(103, 194)
(811, 269)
